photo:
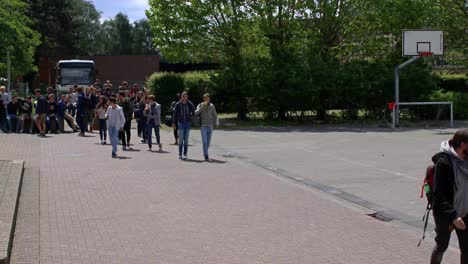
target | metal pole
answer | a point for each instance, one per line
(396, 110)
(396, 122)
(451, 115)
(8, 71)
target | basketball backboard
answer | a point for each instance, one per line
(416, 42)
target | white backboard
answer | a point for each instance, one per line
(416, 41)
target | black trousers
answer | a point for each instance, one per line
(442, 240)
(176, 131)
(81, 122)
(126, 131)
(142, 127)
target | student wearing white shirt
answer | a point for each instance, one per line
(115, 123)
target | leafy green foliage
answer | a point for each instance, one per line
(17, 36)
(459, 99)
(167, 85)
(453, 82)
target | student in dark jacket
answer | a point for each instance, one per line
(81, 110)
(184, 111)
(42, 107)
(3, 118)
(93, 100)
(52, 114)
(127, 108)
(450, 200)
(12, 111)
(25, 111)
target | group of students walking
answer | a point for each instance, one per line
(93, 108)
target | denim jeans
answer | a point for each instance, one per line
(149, 133)
(103, 129)
(206, 133)
(80, 119)
(114, 138)
(184, 131)
(13, 124)
(72, 110)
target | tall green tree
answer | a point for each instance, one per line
(67, 27)
(142, 38)
(17, 36)
(203, 30)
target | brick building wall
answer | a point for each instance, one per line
(134, 69)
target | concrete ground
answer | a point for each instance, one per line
(279, 195)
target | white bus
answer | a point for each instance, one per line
(74, 72)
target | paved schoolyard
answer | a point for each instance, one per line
(380, 169)
(253, 205)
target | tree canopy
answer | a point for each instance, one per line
(293, 55)
(17, 36)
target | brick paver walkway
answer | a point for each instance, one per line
(81, 206)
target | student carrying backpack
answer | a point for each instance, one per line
(448, 195)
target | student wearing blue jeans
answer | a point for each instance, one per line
(183, 115)
(152, 113)
(208, 119)
(115, 123)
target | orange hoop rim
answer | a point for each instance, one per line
(426, 53)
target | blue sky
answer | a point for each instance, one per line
(135, 9)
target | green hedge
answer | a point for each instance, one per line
(165, 86)
(453, 82)
(459, 99)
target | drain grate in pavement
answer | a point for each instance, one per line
(380, 217)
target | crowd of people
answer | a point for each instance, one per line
(99, 108)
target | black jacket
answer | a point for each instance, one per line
(444, 186)
(183, 113)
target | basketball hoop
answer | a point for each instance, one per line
(425, 54)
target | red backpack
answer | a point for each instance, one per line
(428, 185)
(428, 188)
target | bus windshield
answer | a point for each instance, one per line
(80, 76)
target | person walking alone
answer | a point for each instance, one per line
(208, 119)
(450, 197)
(153, 121)
(115, 123)
(183, 115)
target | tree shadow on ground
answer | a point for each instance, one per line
(215, 161)
(194, 161)
(123, 158)
(159, 152)
(132, 150)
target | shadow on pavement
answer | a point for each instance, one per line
(132, 150)
(160, 152)
(122, 158)
(195, 161)
(217, 161)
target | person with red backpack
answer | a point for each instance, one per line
(450, 195)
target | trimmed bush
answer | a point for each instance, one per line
(165, 86)
(197, 84)
(453, 82)
(459, 99)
